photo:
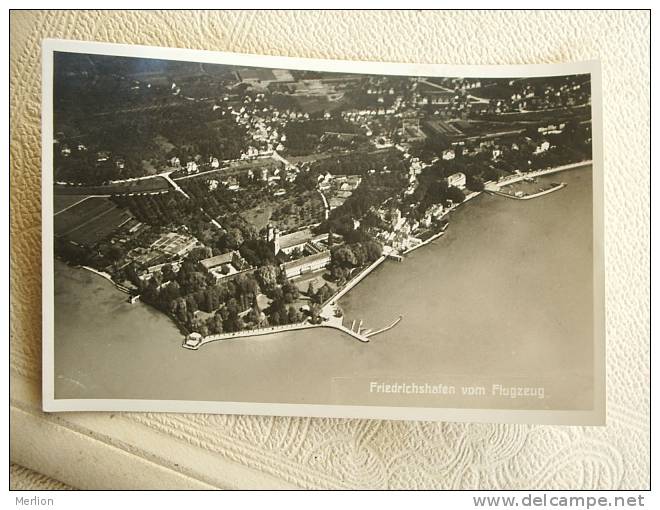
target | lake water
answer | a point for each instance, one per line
(505, 297)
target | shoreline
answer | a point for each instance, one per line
(271, 330)
(117, 285)
(327, 308)
(539, 173)
(331, 303)
(529, 197)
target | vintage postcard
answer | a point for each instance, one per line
(232, 233)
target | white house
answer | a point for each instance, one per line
(456, 180)
(542, 147)
(448, 154)
(191, 167)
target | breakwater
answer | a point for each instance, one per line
(495, 186)
(192, 343)
(352, 283)
(529, 197)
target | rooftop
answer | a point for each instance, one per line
(296, 238)
(307, 260)
(218, 260)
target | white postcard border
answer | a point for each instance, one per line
(596, 416)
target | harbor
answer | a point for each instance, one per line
(194, 340)
(331, 315)
(521, 195)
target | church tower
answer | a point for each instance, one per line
(273, 238)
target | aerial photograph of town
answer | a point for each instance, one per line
(250, 234)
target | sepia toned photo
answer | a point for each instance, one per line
(261, 235)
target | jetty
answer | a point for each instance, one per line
(429, 240)
(529, 196)
(354, 281)
(512, 179)
(194, 340)
(386, 328)
(395, 256)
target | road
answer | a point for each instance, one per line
(167, 177)
(325, 204)
(470, 96)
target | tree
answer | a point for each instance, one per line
(167, 272)
(191, 303)
(233, 322)
(275, 318)
(373, 250)
(310, 289)
(293, 315)
(455, 195)
(170, 292)
(214, 324)
(254, 315)
(290, 292)
(267, 277)
(179, 309)
(343, 256)
(474, 183)
(314, 311)
(198, 325)
(490, 174)
(323, 294)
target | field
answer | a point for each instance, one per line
(552, 115)
(61, 202)
(484, 128)
(492, 91)
(293, 212)
(258, 216)
(443, 128)
(90, 221)
(153, 185)
(313, 104)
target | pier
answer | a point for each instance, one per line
(386, 328)
(354, 282)
(528, 197)
(497, 186)
(395, 256)
(194, 341)
(424, 243)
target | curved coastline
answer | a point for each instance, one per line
(330, 304)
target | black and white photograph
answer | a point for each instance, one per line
(234, 233)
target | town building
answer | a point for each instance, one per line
(542, 147)
(222, 266)
(456, 180)
(264, 76)
(151, 270)
(306, 264)
(448, 154)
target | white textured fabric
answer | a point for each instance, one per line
(22, 478)
(241, 451)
